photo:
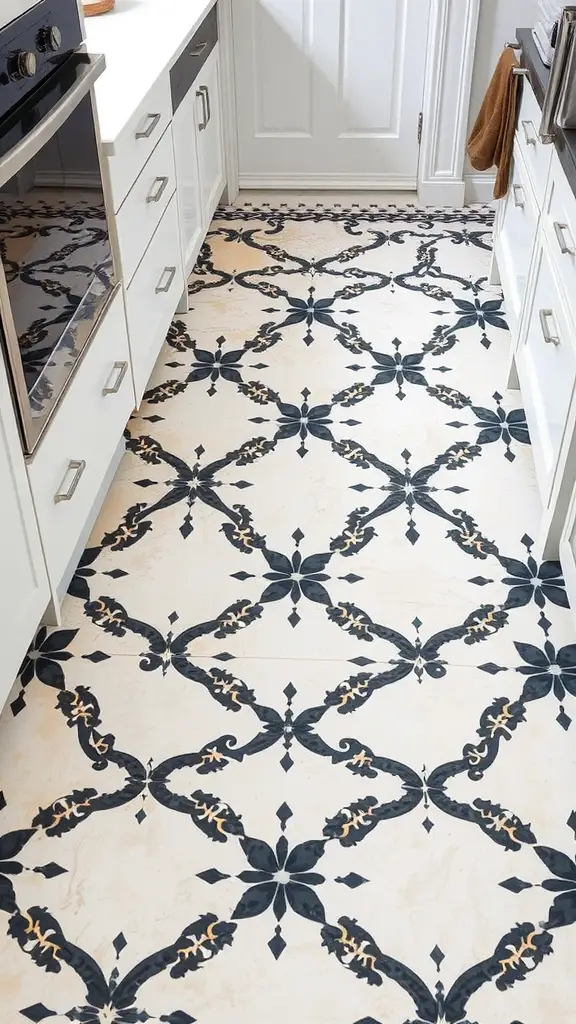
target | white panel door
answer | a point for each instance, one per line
(24, 588)
(329, 92)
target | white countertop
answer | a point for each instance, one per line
(140, 38)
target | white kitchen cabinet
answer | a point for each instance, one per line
(329, 92)
(514, 242)
(547, 369)
(25, 591)
(184, 129)
(209, 136)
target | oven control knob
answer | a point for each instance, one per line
(23, 64)
(50, 39)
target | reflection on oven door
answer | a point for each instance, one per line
(57, 260)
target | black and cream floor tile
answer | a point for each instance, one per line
(304, 746)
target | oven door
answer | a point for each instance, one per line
(56, 264)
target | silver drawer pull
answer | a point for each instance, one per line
(198, 50)
(77, 467)
(563, 234)
(121, 371)
(155, 195)
(545, 316)
(171, 271)
(519, 198)
(529, 133)
(154, 119)
(202, 92)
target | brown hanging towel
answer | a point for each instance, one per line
(492, 139)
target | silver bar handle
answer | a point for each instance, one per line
(147, 132)
(208, 104)
(171, 271)
(77, 467)
(121, 371)
(529, 135)
(155, 195)
(520, 71)
(23, 152)
(204, 122)
(545, 316)
(562, 234)
(198, 50)
(519, 197)
(557, 74)
(514, 46)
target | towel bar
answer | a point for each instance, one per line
(519, 71)
(514, 46)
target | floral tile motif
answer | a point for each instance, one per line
(310, 712)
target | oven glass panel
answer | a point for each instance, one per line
(57, 261)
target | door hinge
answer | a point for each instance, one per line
(420, 126)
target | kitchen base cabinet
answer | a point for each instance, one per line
(68, 468)
(25, 590)
(210, 149)
(152, 297)
(189, 193)
(514, 241)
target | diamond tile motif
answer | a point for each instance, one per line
(309, 712)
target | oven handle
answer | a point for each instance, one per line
(22, 153)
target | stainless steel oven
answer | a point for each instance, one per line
(57, 268)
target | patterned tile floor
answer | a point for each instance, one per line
(309, 715)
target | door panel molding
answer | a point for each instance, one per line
(449, 67)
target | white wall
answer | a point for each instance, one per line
(499, 20)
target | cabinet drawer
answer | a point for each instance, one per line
(547, 368)
(68, 468)
(144, 206)
(536, 155)
(560, 225)
(153, 295)
(194, 56)
(130, 151)
(516, 240)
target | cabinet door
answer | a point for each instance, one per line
(515, 241)
(184, 129)
(329, 91)
(210, 150)
(547, 370)
(24, 588)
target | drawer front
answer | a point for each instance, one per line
(132, 148)
(560, 225)
(69, 466)
(516, 240)
(144, 206)
(536, 155)
(191, 61)
(547, 367)
(152, 297)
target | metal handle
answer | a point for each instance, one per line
(198, 50)
(530, 136)
(202, 94)
(76, 466)
(208, 104)
(154, 197)
(520, 71)
(23, 152)
(519, 199)
(545, 315)
(564, 41)
(514, 46)
(122, 369)
(561, 231)
(154, 119)
(171, 271)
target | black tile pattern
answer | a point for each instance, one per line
(313, 692)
